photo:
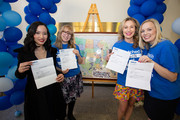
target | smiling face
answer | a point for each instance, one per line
(129, 29)
(66, 35)
(148, 32)
(41, 35)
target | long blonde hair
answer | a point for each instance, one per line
(71, 42)
(158, 37)
(135, 36)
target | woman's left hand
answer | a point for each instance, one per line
(60, 78)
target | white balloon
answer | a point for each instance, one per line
(5, 84)
(176, 26)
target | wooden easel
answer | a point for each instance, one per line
(93, 11)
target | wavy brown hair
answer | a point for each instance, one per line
(135, 36)
(71, 42)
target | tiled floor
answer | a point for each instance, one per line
(102, 107)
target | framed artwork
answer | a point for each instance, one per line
(94, 48)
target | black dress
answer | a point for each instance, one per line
(46, 103)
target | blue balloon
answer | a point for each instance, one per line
(177, 43)
(12, 34)
(56, 1)
(1, 1)
(138, 2)
(4, 6)
(139, 17)
(2, 24)
(10, 1)
(161, 8)
(158, 16)
(9, 92)
(53, 9)
(5, 103)
(35, 8)
(3, 70)
(12, 48)
(53, 21)
(17, 98)
(26, 10)
(131, 2)
(44, 10)
(148, 7)
(47, 4)
(31, 0)
(53, 39)
(12, 18)
(15, 62)
(3, 45)
(20, 84)
(52, 28)
(6, 59)
(27, 28)
(176, 26)
(45, 18)
(9, 43)
(133, 9)
(159, 1)
(31, 18)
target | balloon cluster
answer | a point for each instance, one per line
(39, 10)
(146, 9)
(10, 86)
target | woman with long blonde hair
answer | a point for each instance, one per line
(128, 41)
(160, 103)
(72, 86)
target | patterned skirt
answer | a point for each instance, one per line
(72, 87)
(124, 93)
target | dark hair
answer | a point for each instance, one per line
(29, 43)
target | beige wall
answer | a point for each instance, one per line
(109, 11)
(171, 14)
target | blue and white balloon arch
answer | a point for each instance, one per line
(40, 10)
(36, 10)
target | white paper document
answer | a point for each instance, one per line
(139, 75)
(68, 59)
(44, 72)
(118, 61)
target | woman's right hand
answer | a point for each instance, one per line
(145, 58)
(23, 67)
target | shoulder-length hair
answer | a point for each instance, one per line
(29, 42)
(71, 42)
(135, 36)
(158, 37)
